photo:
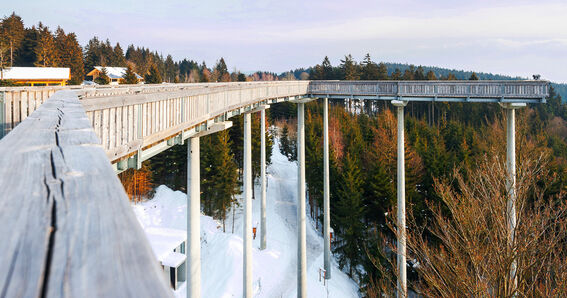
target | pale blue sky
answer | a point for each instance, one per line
(508, 37)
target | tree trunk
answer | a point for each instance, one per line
(11, 53)
(233, 218)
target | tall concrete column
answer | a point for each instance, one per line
(326, 203)
(511, 182)
(301, 223)
(193, 249)
(263, 178)
(247, 230)
(401, 191)
(511, 177)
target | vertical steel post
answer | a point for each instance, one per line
(263, 178)
(247, 230)
(193, 251)
(301, 223)
(326, 203)
(401, 191)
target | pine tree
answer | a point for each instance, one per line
(349, 68)
(431, 76)
(11, 35)
(349, 214)
(397, 75)
(170, 69)
(382, 71)
(46, 51)
(369, 69)
(473, 77)
(327, 69)
(153, 77)
(92, 56)
(221, 71)
(70, 54)
(129, 76)
(26, 54)
(225, 175)
(103, 78)
(118, 59)
(419, 74)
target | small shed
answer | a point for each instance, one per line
(169, 247)
(116, 74)
(42, 76)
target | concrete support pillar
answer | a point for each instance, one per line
(301, 223)
(401, 191)
(326, 202)
(247, 230)
(193, 251)
(263, 178)
(511, 177)
(511, 182)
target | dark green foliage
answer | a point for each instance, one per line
(12, 34)
(349, 68)
(153, 76)
(130, 76)
(103, 78)
(287, 145)
(70, 55)
(348, 216)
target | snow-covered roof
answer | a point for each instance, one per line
(36, 73)
(164, 241)
(115, 72)
(173, 259)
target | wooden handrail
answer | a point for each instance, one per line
(66, 227)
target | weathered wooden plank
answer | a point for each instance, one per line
(111, 128)
(105, 129)
(67, 228)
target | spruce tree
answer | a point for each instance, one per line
(225, 175)
(153, 76)
(369, 69)
(11, 33)
(473, 77)
(382, 71)
(103, 78)
(349, 215)
(349, 68)
(431, 76)
(129, 76)
(327, 69)
(46, 51)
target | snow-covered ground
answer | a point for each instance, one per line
(274, 269)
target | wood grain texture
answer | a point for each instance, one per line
(66, 227)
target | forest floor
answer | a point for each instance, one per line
(275, 268)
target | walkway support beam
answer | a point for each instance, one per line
(193, 251)
(401, 191)
(301, 223)
(247, 230)
(511, 178)
(326, 201)
(263, 178)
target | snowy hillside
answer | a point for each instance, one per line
(274, 269)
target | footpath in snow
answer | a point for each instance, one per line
(275, 268)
